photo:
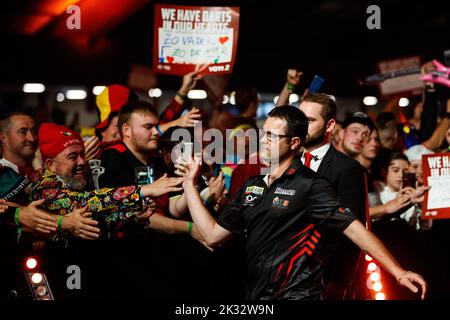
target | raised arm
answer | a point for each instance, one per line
(292, 80)
(174, 109)
(187, 121)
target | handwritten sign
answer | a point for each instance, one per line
(436, 173)
(190, 36)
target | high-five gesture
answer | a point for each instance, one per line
(192, 171)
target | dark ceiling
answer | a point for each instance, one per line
(325, 37)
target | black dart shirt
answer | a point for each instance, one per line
(284, 225)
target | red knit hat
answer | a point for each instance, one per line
(110, 100)
(54, 139)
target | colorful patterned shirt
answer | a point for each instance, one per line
(108, 205)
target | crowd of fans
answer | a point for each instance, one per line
(114, 205)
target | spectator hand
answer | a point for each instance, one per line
(217, 187)
(402, 201)
(148, 211)
(293, 77)
(3, 206)
(36, 219)
(189, 119)
(92, 148)
(418, 195)
(193, 171)
(162, 186)
(80, 224)
(190, 81)
(182, 168)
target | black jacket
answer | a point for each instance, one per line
(346, 176)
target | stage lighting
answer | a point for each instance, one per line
(37, 281)
(377, 286)
(155, 93)
(375, 276)
(197, 94)
(370, 101)
(76, 94)
(403, 102)
(31, 263)
(380, 296)
(98, 89)
(33, 88)
(372, 267)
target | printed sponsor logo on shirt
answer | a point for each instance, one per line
(255, 190)
(281, 203)
(284, 192)
(250, 200)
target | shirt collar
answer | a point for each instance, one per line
(7, 163)
(319, 153)
(295, 165)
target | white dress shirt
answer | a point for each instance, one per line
(318, 156)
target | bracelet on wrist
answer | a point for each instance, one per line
(290, 87)
(16, 220)
(16, 217)
(190, 224)
(402, 276)
(182, 96)
(60, 224)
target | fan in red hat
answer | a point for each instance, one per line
(62, 151)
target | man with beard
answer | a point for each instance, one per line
(18, 135)
(65, 181)
(346, 177)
